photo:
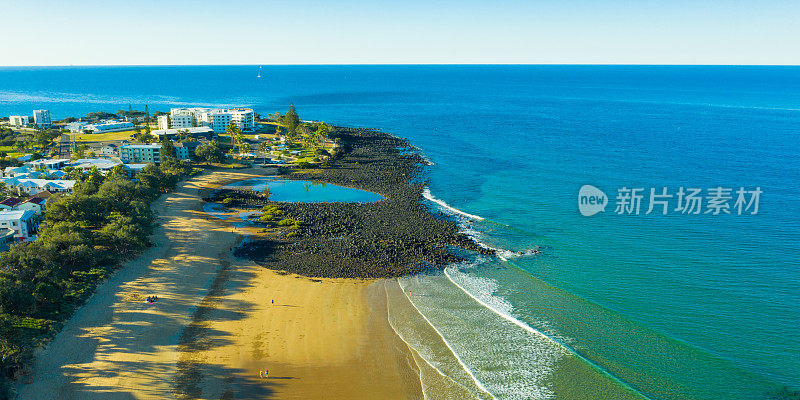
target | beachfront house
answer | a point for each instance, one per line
(23, 222)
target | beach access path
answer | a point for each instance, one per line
(321, 338)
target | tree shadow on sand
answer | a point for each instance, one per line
(197, 378)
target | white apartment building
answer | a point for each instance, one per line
(178, 121)
(217, 119)
(42, 118)
(148, 153)
(19, 120)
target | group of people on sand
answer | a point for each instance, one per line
(151, 299)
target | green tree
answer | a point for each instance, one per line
(168, 150)
(209, 152)
(15, 297)
(290, 121)
(237, 137)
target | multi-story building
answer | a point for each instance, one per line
(140, 153)
(42, 118)
(217, 119)
(23, 222)
(177, 121)
(149, 153)
(19, 120)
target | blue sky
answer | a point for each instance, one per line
(112, 32)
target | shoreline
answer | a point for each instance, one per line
(396, 236)
(212, 329)
(115, 345)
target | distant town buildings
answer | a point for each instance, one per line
(77, 127)
(109, 126)
(42, 118)
(100, 127)
(215, 118)
(19, 121)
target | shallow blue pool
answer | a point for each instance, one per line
(306, 191)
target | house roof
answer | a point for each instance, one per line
(44, 194)
(11, 201)
(6, 215)
(35, 200)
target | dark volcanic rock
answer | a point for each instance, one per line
(393, 237)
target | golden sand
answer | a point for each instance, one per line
(325, 338)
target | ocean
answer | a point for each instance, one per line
(614, 305)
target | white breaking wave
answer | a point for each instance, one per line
(467, 228)
(401, 325)
(508, 362)
(426, 193)
(483, 292)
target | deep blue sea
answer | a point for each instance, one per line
(676, 306)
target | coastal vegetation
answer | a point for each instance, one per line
(85, 236)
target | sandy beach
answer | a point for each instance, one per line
(215, 325)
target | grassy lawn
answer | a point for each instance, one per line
(11, 151)
(104, 137)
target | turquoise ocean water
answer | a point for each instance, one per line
(669, 306)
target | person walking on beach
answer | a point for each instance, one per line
(263, 374)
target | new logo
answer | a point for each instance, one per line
(591, 200)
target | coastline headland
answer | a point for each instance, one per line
(396, 236)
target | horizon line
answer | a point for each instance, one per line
(404, 64)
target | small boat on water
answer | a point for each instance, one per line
(259, 72)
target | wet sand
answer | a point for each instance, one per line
(214, 322)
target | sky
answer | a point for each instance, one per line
(253, 32)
